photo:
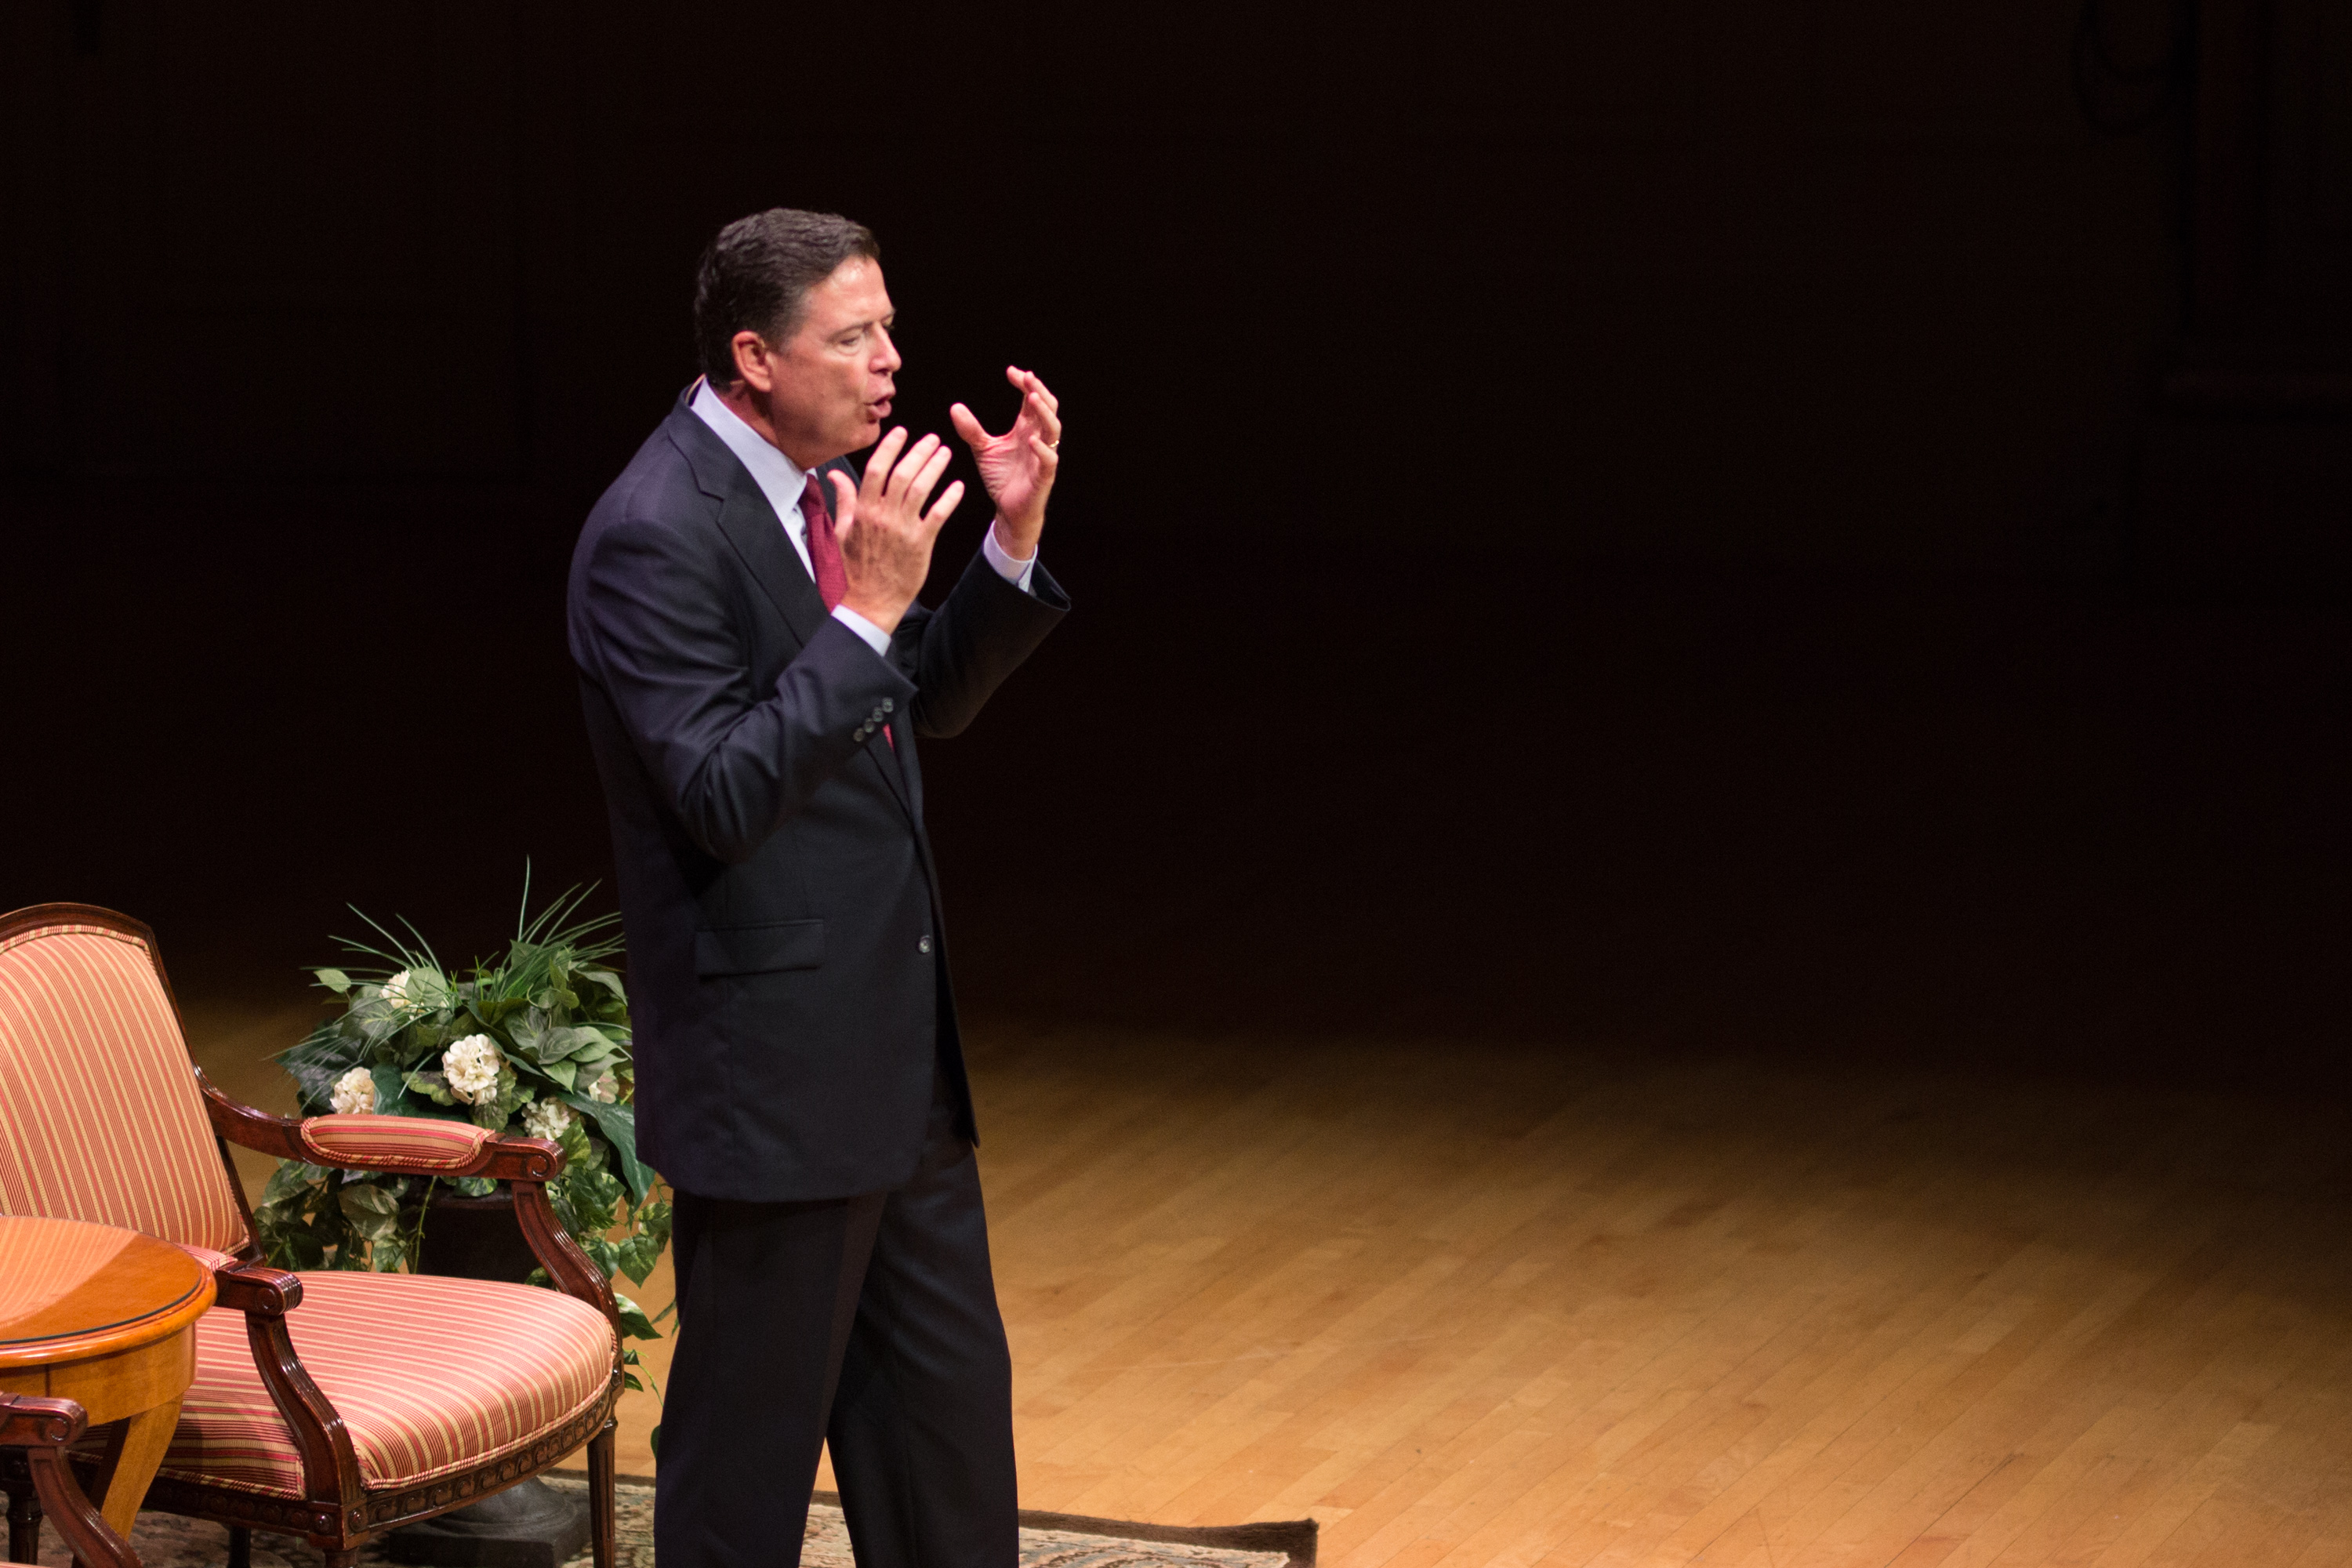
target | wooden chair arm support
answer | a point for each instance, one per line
(29, 1421)
(330, 1467)
(510, 1159)
(566, 1264)
(43, 1427)
(243, 1125)
(257, 1291)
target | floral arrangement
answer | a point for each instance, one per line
(536, 1043)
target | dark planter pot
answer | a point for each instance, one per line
(529, 1524)
(475, 1238)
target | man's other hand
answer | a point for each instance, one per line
(1018, 467)
(886, 535)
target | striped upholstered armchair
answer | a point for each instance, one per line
(330, 1405)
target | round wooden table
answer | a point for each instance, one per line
(107, 1318)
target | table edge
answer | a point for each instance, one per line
(131, 1334)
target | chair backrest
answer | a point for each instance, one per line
(100, 1119)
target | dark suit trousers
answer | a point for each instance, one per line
(868, 1323)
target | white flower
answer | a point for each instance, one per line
(396, 991)
(355, 1093)
(606, 1091)
(546, 1118)
(472, 1065)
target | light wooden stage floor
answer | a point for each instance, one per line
(1479, 1307)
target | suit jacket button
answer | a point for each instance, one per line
(924, 945)
(888, 705)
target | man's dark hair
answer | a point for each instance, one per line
(756, 277)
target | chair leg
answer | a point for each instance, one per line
(342, 1559)
(600, 1494)
(25, 1524)
(240, 1546)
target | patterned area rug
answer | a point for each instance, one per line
(1048, 1540)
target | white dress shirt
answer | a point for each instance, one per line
(781, 480)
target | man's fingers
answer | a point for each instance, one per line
(968, 425)
(936, 518)
(920, 490)
(903, 473)
(877, 466)
(844, 503)
(1048, 458)
(1037, 385)
(1042, 415)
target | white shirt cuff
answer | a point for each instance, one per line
(876, 638)
(1009, 567)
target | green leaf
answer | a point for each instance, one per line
(293, 1249)
(618, 1123)
(288, 1181)
(334, 980)
(634, 1324)
(638, 1255)
(433, 1086)
(577, 1041)
(474, 1186)
(511, 1096)
(610, 982)
(390, 1091)
(653, 1441)
(372, 1212)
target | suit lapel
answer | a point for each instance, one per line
(752, 526)
(757, 534)
(750, 523)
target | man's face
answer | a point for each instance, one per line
(831, 386)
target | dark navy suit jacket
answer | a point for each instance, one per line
(788, 975)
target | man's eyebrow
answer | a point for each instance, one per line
(890, 319)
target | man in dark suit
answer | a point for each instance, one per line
(757, 675)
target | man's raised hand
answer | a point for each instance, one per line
(886, 535)
(1018, 467)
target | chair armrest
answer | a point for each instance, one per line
(412, 1145)
(257, 1290)
(408, 1144)
(28, 1421)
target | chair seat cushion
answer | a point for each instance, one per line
(431, 1376)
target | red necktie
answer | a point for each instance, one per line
(825, 550)
(824, 559)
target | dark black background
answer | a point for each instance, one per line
(1653, 527)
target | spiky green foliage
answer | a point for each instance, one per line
(558, 1013)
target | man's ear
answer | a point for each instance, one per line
(753, 367)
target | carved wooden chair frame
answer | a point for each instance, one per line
(337, 1512)
(34, 1435)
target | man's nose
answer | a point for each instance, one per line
(888, 361)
